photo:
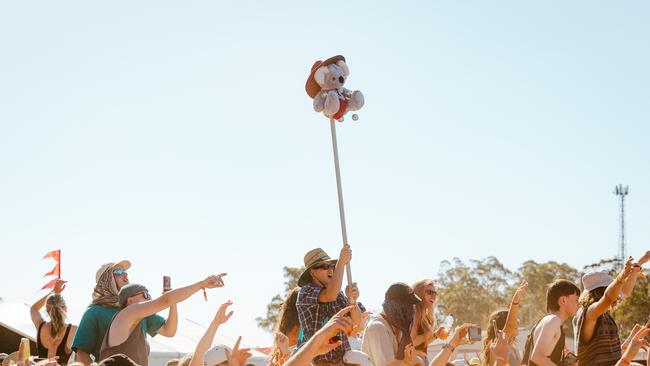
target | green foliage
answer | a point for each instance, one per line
(472, 292)
(291, 275)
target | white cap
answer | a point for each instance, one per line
(216, 355)
(356, 357)
(595, 279)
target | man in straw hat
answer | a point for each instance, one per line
(109, 279)
(320, 298)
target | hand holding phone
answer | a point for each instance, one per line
(167, 283)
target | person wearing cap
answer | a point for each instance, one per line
(387, 337)
(110, 278)
(597, 339)
(125, 335)
(320, 298)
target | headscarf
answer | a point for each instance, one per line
(400, 316)
(105, 292)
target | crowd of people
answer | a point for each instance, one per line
(320, 318)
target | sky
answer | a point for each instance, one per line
(180, 137)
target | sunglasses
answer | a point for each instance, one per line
(146, 295)
(326, 266)
(119, 271)
(431, 292)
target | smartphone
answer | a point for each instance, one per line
(495, 328)
(167, 283)
(474, 333)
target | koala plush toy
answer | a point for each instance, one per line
(325, 86)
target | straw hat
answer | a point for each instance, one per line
(313, 258)
(312, 86)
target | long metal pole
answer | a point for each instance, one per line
(344, 230)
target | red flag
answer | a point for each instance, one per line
(50, 284)
(55, 254)
(56, 271)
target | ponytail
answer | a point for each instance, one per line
(55, 306)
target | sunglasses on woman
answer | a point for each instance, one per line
(326, 266)
(431, 292)
(119, 271)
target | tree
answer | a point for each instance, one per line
(291, 275)
(472, 292)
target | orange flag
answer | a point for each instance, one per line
(56, 271)
(55, 254)
(50, 284)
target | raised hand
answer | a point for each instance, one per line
(326, 335)
(345, 256)
(59, 286)
(521, 291)
(635, 342)
(221, 316)
(352, 293)
(645, 258)
(282, 341)
(460, 334)
(499, 347)
(213, 281)
(238, 357)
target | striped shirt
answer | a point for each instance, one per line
(604, 347)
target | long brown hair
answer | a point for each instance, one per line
(500, 316)
(287, 321)
(425, 320)
(56, 309)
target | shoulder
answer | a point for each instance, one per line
(550, 323)
(308, 294)
(377, 324)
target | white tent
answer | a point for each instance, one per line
(14, 318)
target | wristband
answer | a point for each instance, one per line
(515, 303)
(449, 347)
(624, 362)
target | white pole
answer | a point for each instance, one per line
(344, 230)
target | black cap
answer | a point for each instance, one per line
(403, 293)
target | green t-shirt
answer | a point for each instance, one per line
(94, 324)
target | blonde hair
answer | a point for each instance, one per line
(425, 320)
(56, 309)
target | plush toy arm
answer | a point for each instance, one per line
(319, 102)
(332, 103)
(347, 93)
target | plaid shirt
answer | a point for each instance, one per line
(313, 315)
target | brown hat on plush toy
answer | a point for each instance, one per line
(312, 86)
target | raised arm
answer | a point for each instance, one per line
(511, 321)
(171, 323)
(329, 293)
(35, 309)
(135, 312)
(206, 340)
(601, 306)
(460, 337)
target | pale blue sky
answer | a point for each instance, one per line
(180, 136)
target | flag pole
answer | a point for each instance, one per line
(344, 230)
